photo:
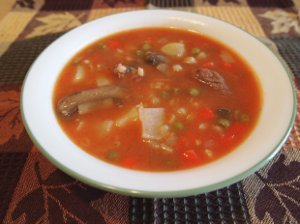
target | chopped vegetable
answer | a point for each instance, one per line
(195, 51)
(178, 126)
(103, 81)
(208, 152)
(224, 122)
(105, 127)
(165, 94)
(202, 126)
(129, 162)
(102, 45)
(238, 115)
(194, 91)
(112, 155)
(152, 119)
(131, 115)
(172, 119)
(206, 113)
(202, 55)
(165, 129)
(158, 145)
(146, 46)
(80, 125)
(79, 75)
(218, 128)
(114, 44)
(155, 100)
(208, 65)
(190, 60)
(174, 49)
(190, 156)
(162, 67)
(121, 68)
(177, 68)
(182, 111)
(141, 72)
(226, 57)
(244, 117)
(236, 129)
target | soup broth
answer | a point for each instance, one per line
(157, 99)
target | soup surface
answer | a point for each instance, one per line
(157, 99)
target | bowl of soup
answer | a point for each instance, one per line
(158, 103)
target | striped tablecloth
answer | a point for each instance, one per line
(34, 191)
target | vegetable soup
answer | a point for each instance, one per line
(157, 99)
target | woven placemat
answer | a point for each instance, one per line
(289, 49)
(16, 61)
(226, 205)
(171, 3)
(11, 165)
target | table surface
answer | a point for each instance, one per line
(34, 191)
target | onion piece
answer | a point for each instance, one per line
(227, 57)
(174, 49)
(105, 127)
(152, 120)
(79, 75)
(103, 81)
(131, 115)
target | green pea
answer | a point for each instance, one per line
(202, 55)
(194, 91)
(244, 117)
(102, 46)
(178, 126)
(112, 155)
(195, 51)
(164, 95)
(146, 47)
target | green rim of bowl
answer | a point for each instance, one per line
(178, 193)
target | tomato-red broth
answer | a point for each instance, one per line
(195, 120)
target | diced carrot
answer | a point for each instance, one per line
(206, 114)
(128, 162)
(190, 156)
(236, 129)
(227, 65)
(114, 44)
(208, 65)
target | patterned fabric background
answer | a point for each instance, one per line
(34, 191)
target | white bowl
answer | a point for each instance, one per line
(274, 124)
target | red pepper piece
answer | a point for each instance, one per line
(206, 114)
(208, 65)
(190, 156)
(128, 162)
(227, 65)
(236, 129)
(114, 44)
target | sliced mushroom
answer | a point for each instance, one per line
(154, 58)
(212, 79)
(69, 104)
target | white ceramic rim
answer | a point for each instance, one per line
(274, 125)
